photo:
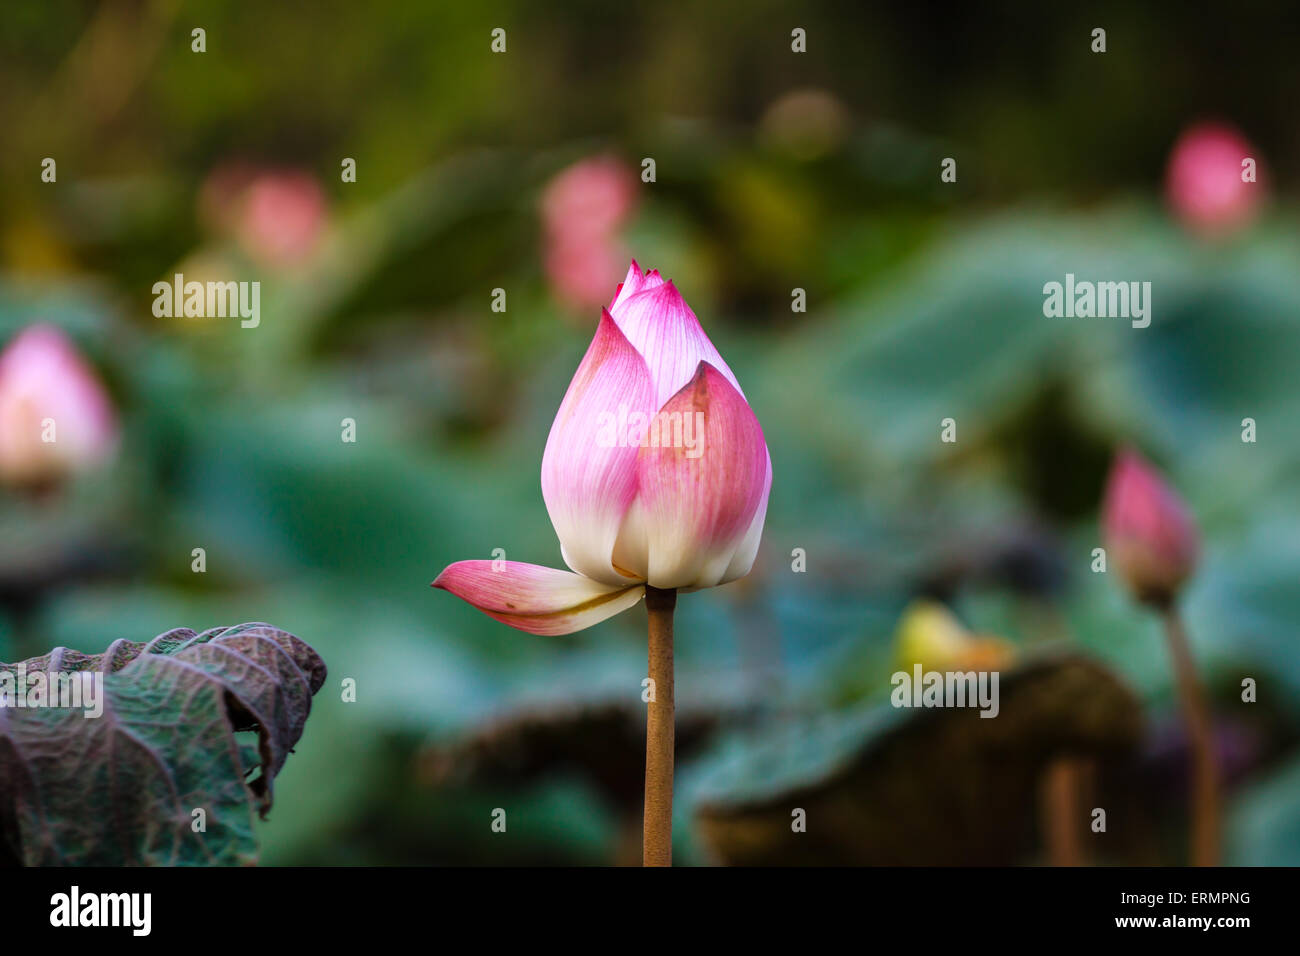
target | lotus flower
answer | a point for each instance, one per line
(655, 473)
(1149, 534)
(284, 217)
(582, 209)
(1153, 541)
(1204, 183)
(55, 417)
(277, 216)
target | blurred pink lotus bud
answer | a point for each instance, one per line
(655, 472)
(582, 209)
(55, 417)
(1149, 535)
(592, 197)
(283, 217)
(1205, 184)
(278, 216)
(579, 271)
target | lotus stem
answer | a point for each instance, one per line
(1062, 811)
(660, 734)
(1205, 771)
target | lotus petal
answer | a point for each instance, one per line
(534, 598)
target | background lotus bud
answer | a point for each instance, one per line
(582, 208)
(655, 473)
(930, 635)
(579, 271)
(591, 197)
(55, 417)
(1150, 537)
(277, 216)
(1204, 180)
(283, 217)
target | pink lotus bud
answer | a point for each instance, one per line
(582, 209)
(1149, 534)
(283, 218)
(656, 472)
(277, 216)
(592, 197)
(1204, 182)
(55, 417)
(579, 271)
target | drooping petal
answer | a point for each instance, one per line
(662, 327)
(703, 473)
(536, 599)
(634, 283)
(589, 466)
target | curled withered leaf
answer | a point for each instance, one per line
(891, 786)
(147, 768)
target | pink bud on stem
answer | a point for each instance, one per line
(656, 476)
(56, 419)
(1154, 544)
